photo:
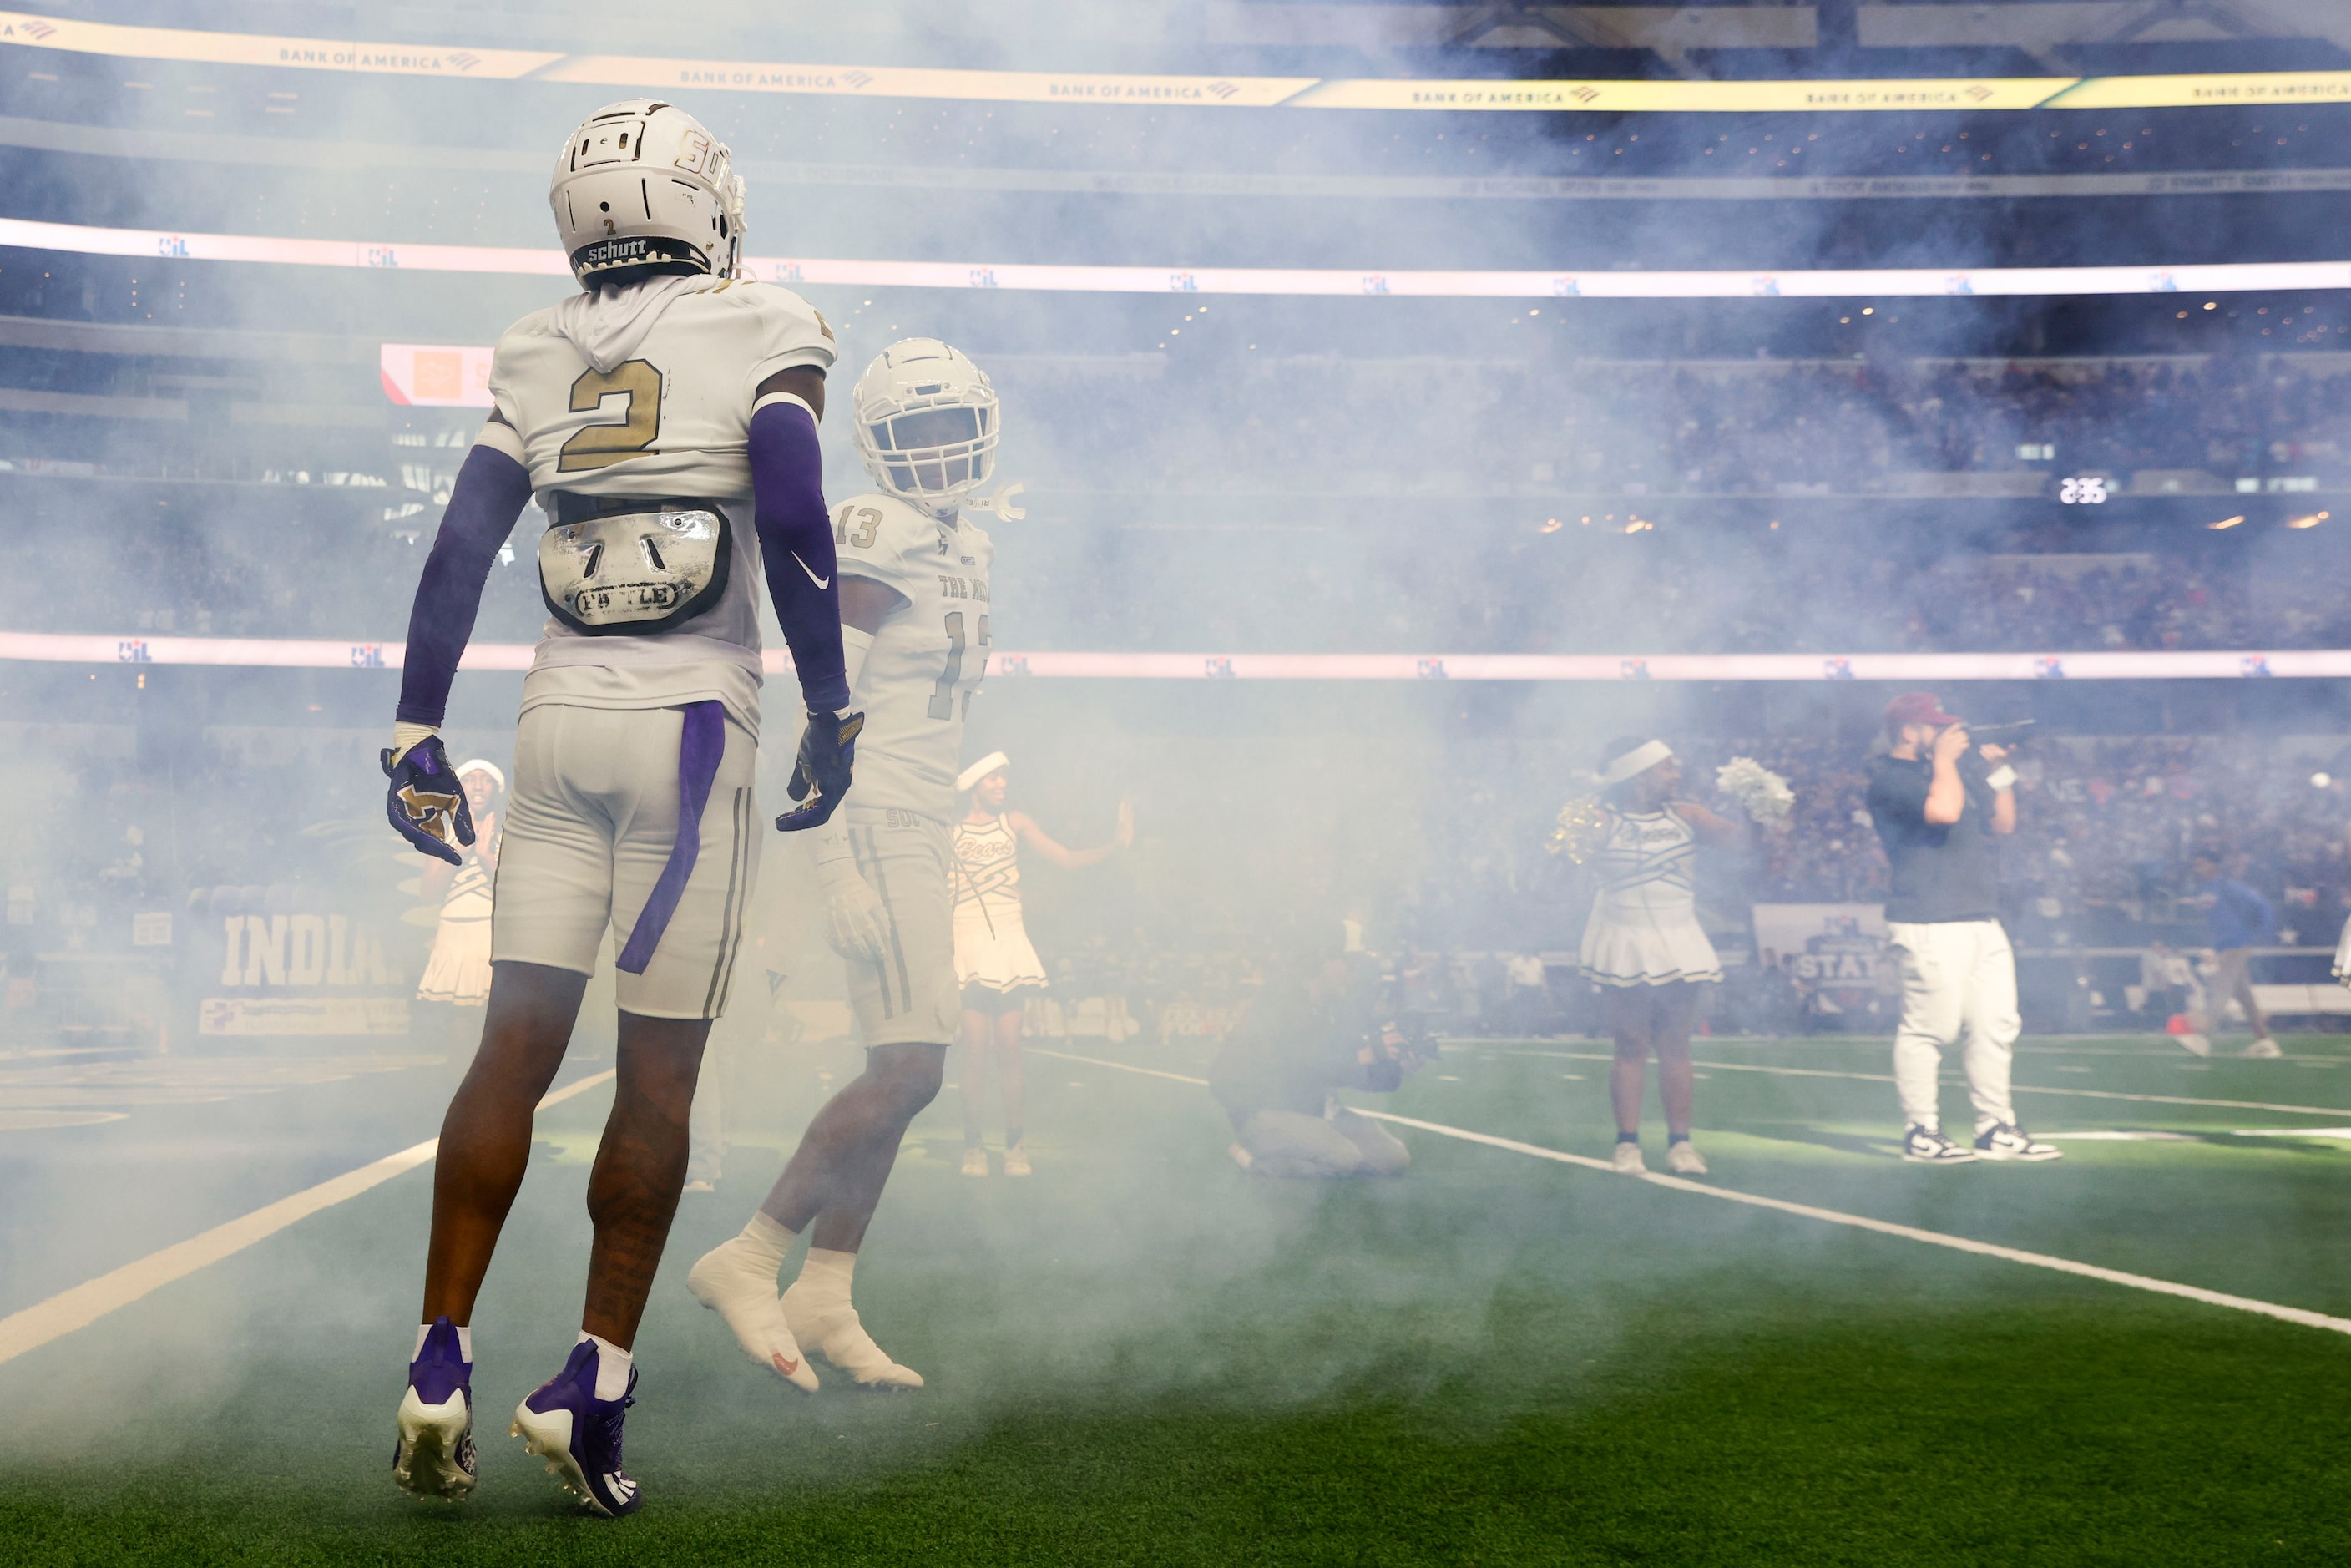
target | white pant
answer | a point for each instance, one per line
(589, 828)
(1958, 978)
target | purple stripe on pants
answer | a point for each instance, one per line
(701, 744)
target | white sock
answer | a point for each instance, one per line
(465, 1341)
(611, 1366)
(764, 1241)
(824, 1284)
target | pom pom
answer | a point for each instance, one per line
(1762, 793)
(1582, 829)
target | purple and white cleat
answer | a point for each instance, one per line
(579, 1435)
(434, 1453)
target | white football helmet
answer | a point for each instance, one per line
(927, 425)
(643, 189)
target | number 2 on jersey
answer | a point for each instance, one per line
(613, 439)
(943, 694)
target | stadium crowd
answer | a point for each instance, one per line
(1554, 425)
(2106, 829)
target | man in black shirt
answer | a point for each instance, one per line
(1938, 810)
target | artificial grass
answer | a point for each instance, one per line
(1144, 1356)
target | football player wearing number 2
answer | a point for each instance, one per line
(666, 418)
(914, 603)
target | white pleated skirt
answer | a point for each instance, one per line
(459, 968)
(1647, 952)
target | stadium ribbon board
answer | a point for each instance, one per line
(343, 157)
(2229, 277)
(275, 653)
(1601, 96)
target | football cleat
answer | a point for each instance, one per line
(744, 1295)
(1628, 1161)
(579, 1435)
(2264, 1049)
(2009, 1141)
(1016, 1160)
(2194, 1045)
(835, 1333)
(1927, 1146)
(434, 1455)
(1683, 1160)
(975, 1161)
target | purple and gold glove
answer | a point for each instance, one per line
(821, 773)
(426, 801)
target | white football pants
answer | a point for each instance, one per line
(1959, 978)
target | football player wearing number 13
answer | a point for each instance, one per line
(914, 595)
(667, 419)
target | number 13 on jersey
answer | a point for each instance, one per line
(943, 694)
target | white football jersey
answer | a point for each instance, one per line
(927, 659)
(673, 421)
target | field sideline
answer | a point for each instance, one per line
(1142, 1354)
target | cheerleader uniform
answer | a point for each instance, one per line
(458, 969)
(1644, 929)
(995, 964)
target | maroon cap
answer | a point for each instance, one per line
(1916, 707)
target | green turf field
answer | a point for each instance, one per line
(1142, 1354)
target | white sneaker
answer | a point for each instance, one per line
(1241, 1156)
(975, 1161)
(1016, 1160)
(2264, 1049)
(1927, 1146)
(2009, 1141)
(743, 1293)
(1683, 1160)
(1627, 1160)
(2194, 1045)
(835, 1333)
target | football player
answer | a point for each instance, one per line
(667, 419)
(914, 607)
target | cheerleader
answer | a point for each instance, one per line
(995, 966)
(1643, 944)
(458, 970)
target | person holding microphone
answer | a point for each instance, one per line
(1939, 802)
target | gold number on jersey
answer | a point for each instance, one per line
(983, 665)
(943, 694)
(617, 434)
(861, 537)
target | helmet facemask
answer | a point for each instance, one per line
(926, 425)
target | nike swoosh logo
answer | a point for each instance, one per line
(786, 1367)
(820, 582)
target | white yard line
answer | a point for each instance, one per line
(84, 1304)
(1831, 1215)
(2018, 1088)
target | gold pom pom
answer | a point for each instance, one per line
(1582, 828)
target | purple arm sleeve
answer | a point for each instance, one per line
(796, 546)
(487, 497)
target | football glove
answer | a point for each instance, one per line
(426, 802)
(855, 923)
(821, 773)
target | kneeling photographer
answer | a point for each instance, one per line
(1315, 1031)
